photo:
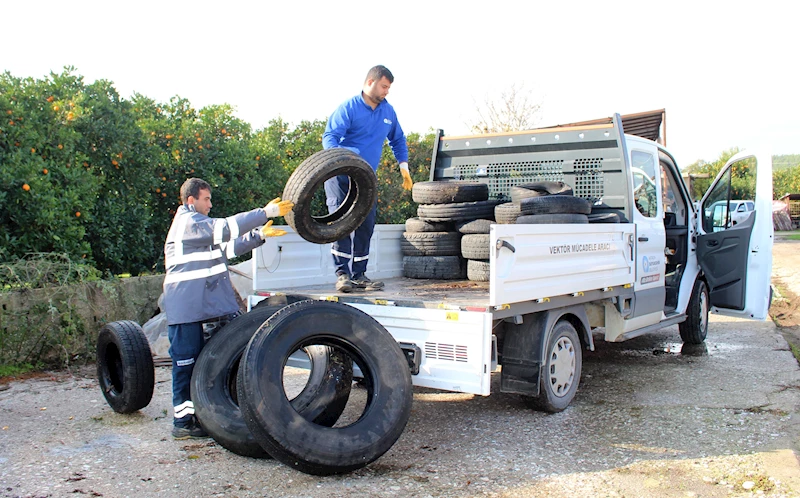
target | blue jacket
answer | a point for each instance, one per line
(197, 286)
(356, 126)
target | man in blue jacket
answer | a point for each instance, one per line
(197, 286)
(362, 124)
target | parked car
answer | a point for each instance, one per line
(739, 211)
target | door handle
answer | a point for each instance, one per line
(643, 239)
(713, 243)
(504, 243)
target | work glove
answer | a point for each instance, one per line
(407, 182)
(277, 207)
(268, 231)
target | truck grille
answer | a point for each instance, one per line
(448, 352)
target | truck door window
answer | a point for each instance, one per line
(644, 183)
(716, 215)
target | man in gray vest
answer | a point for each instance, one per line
(197, 287)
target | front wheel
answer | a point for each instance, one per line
(562, 373)
(695, 328)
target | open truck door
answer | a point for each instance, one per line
(737, 258)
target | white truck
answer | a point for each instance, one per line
(550, 285)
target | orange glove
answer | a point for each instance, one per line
(277, 207)
(268, 231)
(407, 182)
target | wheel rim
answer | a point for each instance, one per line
(703, 309)
(562, 366)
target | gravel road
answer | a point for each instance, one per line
(650, 419)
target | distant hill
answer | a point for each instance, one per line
(785, 161)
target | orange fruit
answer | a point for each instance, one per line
(33, 151)
(44, 171)
(70, 116)
(26, 187)
(56, 108)
(50, 98)
(9, 112)
(60, 146)
(78, 214)
(114, 162)
(223, 131)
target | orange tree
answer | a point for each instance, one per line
(211, 144)
(47, 197)
(395, 204)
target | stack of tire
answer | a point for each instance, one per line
(549, 202)
(449, 238)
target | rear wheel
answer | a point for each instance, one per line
(695, 328)
(562, 373)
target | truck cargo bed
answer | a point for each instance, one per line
(401, 291)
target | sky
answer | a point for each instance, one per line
(724, 71)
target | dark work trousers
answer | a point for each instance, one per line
(185, 343)
(351, 253)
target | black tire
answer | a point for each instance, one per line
(457, 211)
(279, 300)
(603, 217)
(290, 437)
(475, 246)
(446, 192)
(695, 328)
(125, 369)
(478, 271)
(434, 267)
(604, 209)
(507, 213)
(430, 244)
(215, 376)
(415, 225)
(537, 189)
(474, 226)
(310, 176)
(553, 204)
(541, 219)
(562, 373)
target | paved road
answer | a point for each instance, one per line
(649, 420)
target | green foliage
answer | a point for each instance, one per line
(786, 181)
(395, 204)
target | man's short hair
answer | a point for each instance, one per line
(378, 72)
(192, 188)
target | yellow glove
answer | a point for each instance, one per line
(277, 207)
(407, 182)
(268, 231)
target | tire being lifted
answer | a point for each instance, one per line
(125, 367)
(293, 439)
(215, 375)
(310, 177)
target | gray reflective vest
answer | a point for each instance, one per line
(197, 286)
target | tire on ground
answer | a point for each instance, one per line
(290, 437)
(310, 177)
(457, 211)
(215, 375)
(562, 373)
(552, 204)
(477, 270)
(474, 226)
(694, 329)
(536, 189)
(430, 244)
(414, 225)
(434, 267)
(125, 369)
(507, 213)
(445, 192)
(475, 246)
(541, 219)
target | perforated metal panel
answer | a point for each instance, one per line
(588, 159)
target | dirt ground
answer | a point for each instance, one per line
(651, 419)
(785, 308)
